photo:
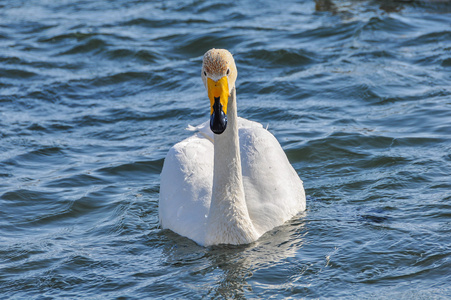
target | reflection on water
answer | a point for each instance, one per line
(388, 6)
(235, 266)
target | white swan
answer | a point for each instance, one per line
(232, 186)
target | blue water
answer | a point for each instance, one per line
(94, 93)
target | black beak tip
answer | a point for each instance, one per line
(218, 123)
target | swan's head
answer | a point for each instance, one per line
(218, 74)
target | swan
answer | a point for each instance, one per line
(230, 182)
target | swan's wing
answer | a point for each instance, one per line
(273, 190)
(186, 186)
(204, 130)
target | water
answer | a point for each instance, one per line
(93, 94)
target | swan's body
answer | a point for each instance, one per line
(229, 187)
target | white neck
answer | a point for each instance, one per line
(228, 220)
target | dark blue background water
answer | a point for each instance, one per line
(94, 93)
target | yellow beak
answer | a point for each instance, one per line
(218, 90)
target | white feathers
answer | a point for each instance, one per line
(229, 187)
(272, 189)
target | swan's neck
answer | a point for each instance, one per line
(228, 220)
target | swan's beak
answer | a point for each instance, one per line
(218, 92)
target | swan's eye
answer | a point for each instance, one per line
(205, 73)
(228, 71)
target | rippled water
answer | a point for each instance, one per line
(94, 93)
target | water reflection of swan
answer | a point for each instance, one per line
(232, 186)
(227, 271)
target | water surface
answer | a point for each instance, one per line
(94, 93)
